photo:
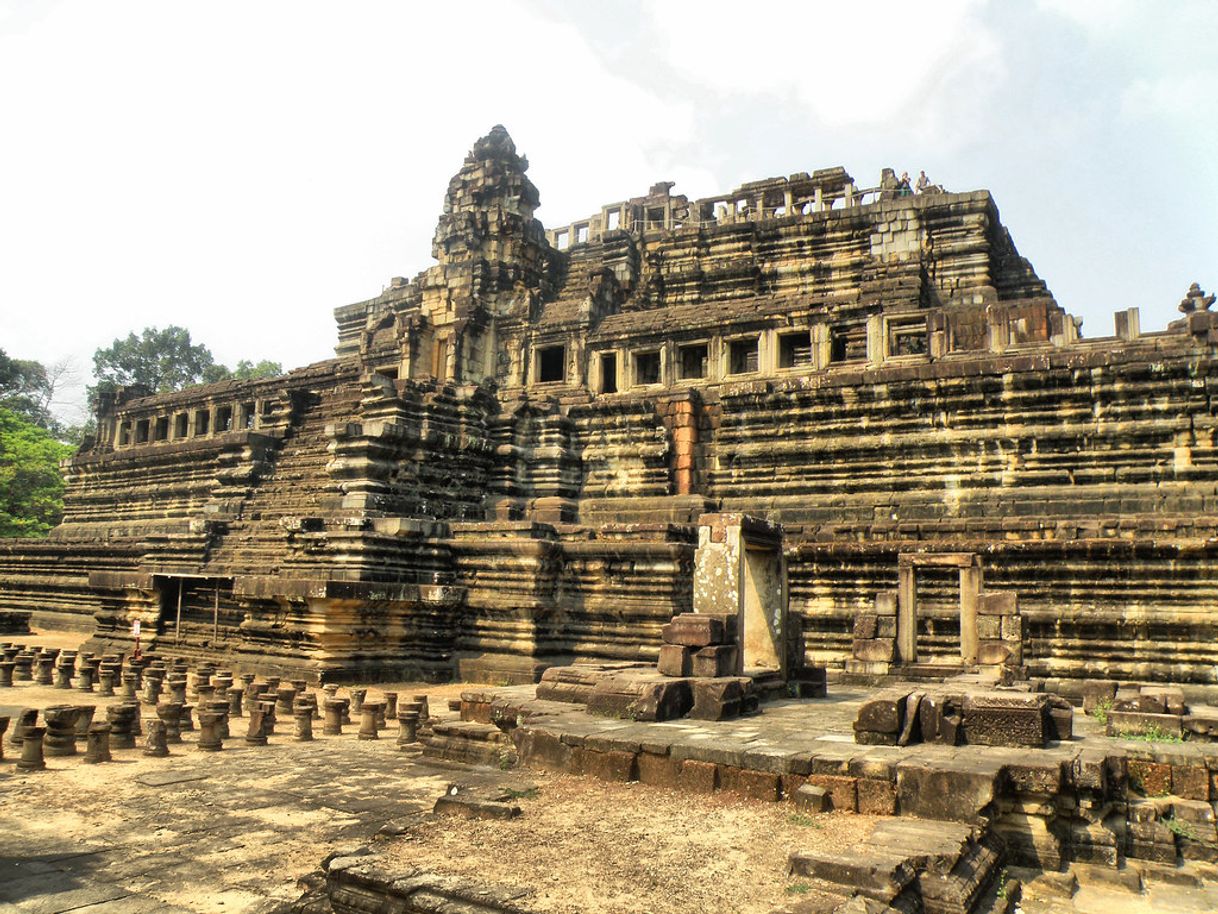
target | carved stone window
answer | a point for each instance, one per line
(552, 364)
(647, 367)
(795, 350)
(742, 356)
(693, 361)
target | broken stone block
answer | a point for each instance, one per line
(1059, 719)
(716, 660)
(940, 716)
(641, 698)
(960, 793)
(876, 797)
(464, 806)
(675, 660)
(842, 790)
(698, 630)
(719, 699)
(865, 626)
(1005, 719)
(812, 798)
(874, 650)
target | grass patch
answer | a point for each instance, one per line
(1152, 734)
(1180, 828)
(803, 820)
(1100, 712)
(529, 793)
(798, 888)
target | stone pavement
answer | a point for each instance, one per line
(199, 832)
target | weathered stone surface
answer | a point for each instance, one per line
(1004, 719)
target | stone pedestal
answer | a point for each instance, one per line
(60, 730)
(357, 700)
(155, 744)
(85, 676)
(22, 672)
(333, 725)
(255, 734)
(268, 717)
(84, 719)
(4, 721)
(391, 705)
(302, 713)
(6, 673)
(44, 671)
(367, 721)
(170, 714)
(408, 729)
(209, 732)
(130, 684)
(63, 676)
(97, 744)
(122, 721)
(284, 697)
(234, 701)
(31, 750)
(27, 719)
(424, 713)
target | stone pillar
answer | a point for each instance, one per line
(284, 698)
(155, 745)
(105, 681)
(255, 734)
(22, 672)
(970, 597)
(234, 701)
(121, 718)
(302, 713)
(130, 684)
(391, 705)
(357, 700)
(170, 714)
(6, 673)
(186, 722)
(907, 614)
(367, 721)
(63, 675)
(84, 720)
(268, 717)
(177, 688)
(209, 732)
(378, 709)
(4, 720)
(27, 719)
(31, 750)
(97, 744)
(333, 725)
(45, 670)
(408, 729)
(60, 730)
(424, 713)
(84, 676)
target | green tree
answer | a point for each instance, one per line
(25, 388)
(31, 487)
(247, 370)
(161, 360)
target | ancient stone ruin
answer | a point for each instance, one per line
(524, 457)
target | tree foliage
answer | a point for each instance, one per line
(161, 360)
(31, 487)
(247, 370)
(165, 360)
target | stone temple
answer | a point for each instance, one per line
(864, 405)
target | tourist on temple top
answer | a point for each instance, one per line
(922, 183)
(903, 189)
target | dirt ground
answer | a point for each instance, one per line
(584, 845)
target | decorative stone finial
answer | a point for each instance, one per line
(1195, 300)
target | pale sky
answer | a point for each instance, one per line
(242, 168)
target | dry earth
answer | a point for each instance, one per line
(584, 845)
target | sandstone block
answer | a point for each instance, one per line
(812, 798)
(865, 626)
(842, 790)
(699, 630)
(745, 782)
(1191, 782)
(609, 765)
(874, 650)
(658, 770)
(675, 660)
(882, 713)
(1151, 779)
(719, 699)
(698, 777)
(877, 797)
(716, 660)
(1007, 719)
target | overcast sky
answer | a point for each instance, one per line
(241, 169)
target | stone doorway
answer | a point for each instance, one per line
(969, 567)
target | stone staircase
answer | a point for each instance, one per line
(290, 498)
